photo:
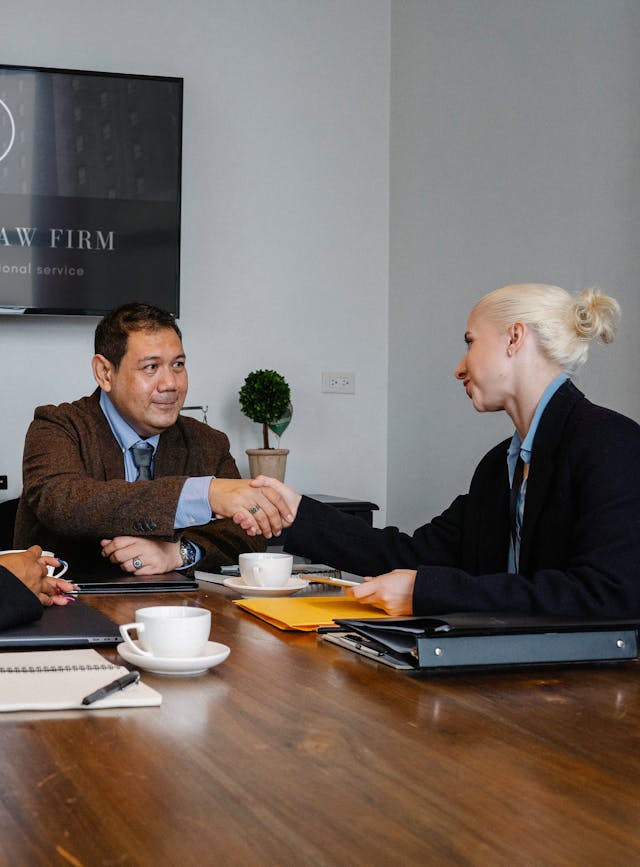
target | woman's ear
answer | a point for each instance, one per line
(517, 333)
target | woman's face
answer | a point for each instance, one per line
(484, 369)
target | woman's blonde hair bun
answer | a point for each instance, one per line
(596, 315)
(563, 324)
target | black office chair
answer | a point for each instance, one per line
(8, 511)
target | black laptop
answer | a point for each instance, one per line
(71, 625)
(105, 578)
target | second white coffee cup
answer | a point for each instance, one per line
(169, 631)
(263, 569)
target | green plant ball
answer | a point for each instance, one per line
(265, 396)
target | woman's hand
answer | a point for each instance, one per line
(393, 591)
(30, 567)
(255, 504)
(273, 488)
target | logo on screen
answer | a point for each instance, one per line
(7, 136)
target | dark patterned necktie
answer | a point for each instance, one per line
(516, 508)
(142, 454)
(513, 498)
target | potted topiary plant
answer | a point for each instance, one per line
(265, 398)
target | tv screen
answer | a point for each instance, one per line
(90, 171)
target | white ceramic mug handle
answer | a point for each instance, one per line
(124, 632)
(63, 568)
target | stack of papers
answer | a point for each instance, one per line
(307, 613)
(300, 570)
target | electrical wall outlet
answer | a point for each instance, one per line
(339, 383)
(3, 483)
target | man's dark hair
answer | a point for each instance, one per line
(113, 330)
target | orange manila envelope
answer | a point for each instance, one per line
(306, 613)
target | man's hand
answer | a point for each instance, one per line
(263, 511)
(142, 556)
(30, 567)
(393, 591)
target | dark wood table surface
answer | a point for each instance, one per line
(297, 752)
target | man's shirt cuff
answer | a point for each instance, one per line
(193, 504)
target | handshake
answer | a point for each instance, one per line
(261, 506)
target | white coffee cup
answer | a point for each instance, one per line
(51, 570)
(169, 631)
(265, 569)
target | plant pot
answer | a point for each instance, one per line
(268, 462)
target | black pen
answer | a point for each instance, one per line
(116, 685)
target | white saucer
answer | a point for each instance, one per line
(292, 586)
(214, 654)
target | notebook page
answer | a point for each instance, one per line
(60, 679)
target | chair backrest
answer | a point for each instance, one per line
(8, 511)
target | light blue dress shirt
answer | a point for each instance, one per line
(193, 504)
(524, 449)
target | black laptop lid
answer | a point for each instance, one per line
(71, 625)
(105, 578)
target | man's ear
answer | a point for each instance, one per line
(102, 371)
(517, 334)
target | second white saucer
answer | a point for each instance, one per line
(214, 654)
(292, 586)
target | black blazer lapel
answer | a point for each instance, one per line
(544, 458)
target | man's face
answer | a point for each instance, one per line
(150, 386)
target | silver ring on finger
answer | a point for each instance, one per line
(137, 563)
(254, 509)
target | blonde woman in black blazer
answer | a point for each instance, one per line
(579, 543)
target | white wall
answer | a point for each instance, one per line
(284, 223)
(515, 147)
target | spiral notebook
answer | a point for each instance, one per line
(60, 679)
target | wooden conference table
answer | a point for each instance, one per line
(297, 752)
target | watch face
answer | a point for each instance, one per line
(187, 553)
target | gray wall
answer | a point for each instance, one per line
(515, 146)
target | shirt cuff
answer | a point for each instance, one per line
(193, 503)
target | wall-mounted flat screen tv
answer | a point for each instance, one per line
(90, 172)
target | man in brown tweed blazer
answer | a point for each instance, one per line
(81, 496)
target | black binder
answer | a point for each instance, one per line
(464, 641)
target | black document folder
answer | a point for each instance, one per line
(475, 641)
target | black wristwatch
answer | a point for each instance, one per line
(188, 552)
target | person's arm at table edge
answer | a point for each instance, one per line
(17, 603)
